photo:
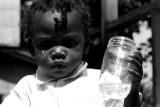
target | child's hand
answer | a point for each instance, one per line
(136, 70)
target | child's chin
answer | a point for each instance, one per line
(58, 67)
(59, 73)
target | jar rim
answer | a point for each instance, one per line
(121, 40)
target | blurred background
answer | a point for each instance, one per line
(136, 19)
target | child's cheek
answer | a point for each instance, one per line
(42, 58)
(75, 56)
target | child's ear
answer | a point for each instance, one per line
(86, 47)
(29, 45)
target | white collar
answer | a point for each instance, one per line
(80, 70)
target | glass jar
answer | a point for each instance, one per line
(115, 80)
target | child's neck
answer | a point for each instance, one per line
(43, 77)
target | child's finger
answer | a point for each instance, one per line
(135, 63)
(136, 79)
(135, 67)
(138, 56)
(135, 74)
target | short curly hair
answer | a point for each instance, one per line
(49, 5)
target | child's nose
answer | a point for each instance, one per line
(58, 56)
(58, 53)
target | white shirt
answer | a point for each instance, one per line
(79, 90)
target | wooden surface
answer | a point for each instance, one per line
(156, 55)
(133, 16)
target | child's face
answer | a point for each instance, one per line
(58, 53)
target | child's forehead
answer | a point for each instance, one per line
(46, 16)
(73, 21)
(50, 22)
(71, 17)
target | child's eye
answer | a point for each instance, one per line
(44, 45)
(70, 43)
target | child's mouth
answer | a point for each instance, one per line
(58, 66)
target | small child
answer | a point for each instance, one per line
(57, 31)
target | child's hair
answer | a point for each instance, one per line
(63, 6)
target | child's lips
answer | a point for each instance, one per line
(58, 66)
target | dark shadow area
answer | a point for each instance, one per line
(13, 69)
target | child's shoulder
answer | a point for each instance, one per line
(93, 72)
(26, 80)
